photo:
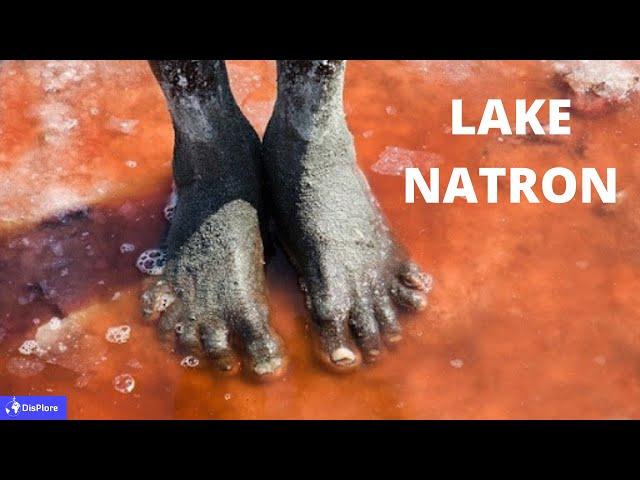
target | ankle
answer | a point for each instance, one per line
(310, 95)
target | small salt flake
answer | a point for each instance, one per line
(600, 360)
(457, 363)
(127, 248)
(227, 396)
(122, 126)
(582, 264)
(391, 110)
(367, 134)
(119, 334)
(131, 163)
(82, 381)
(116, 296)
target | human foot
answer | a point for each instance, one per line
(212, 295)
(352, 272)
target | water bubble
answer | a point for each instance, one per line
(152, 261)
(227, 396)
(124, 383)
(122, 126)
(190, 362)
(127, 247)
(131, 163)
(119, 334)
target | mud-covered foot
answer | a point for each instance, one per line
(353, 274)
(211, 297)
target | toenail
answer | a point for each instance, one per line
(343, 355)
(269, 366)
(395, 338)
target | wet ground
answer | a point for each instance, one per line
(534, 313)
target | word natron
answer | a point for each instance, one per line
(521, 183)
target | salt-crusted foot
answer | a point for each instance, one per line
(211, 298)
(352, 272)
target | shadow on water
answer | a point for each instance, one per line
(74, 259)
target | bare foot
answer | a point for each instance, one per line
(212, 295)
(352, 272)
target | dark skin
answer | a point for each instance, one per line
(213, 296)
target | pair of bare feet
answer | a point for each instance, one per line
(212, 296)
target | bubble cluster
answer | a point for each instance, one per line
(124, 383)
(190, 362)
(152, 261)
(119, 334)
(28, 347)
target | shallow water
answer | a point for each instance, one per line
(534, 313)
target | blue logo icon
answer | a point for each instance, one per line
(33, 408)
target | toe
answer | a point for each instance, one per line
(187, 336)
(408, 297)
(261, 344)
(331, 322)
(171, 317)
(365, 330)
(215, 341)
(265, 355)
(413, 277)
(387, 318)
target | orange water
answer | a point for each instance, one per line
(534, 314)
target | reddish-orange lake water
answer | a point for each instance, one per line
(535, 311)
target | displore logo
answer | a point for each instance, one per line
(33, 407)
